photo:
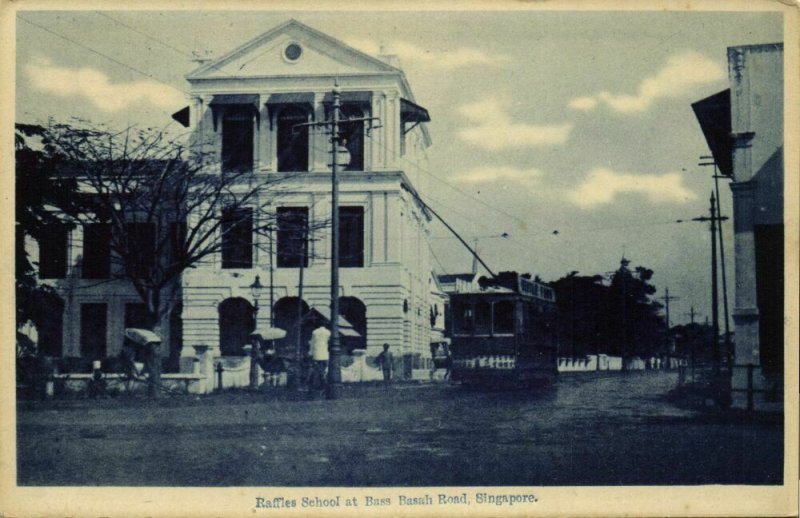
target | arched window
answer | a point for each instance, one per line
(285, 315)
(236, 322)
(292, 141)
(355, 312)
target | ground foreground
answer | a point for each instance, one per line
(604, 429)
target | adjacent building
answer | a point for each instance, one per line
(744, 129)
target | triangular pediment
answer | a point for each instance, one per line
(267, 56)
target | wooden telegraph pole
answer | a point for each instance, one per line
(334, 385)
(717, 176)
(713, 218)
(666, 298)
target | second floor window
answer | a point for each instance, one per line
(141, 249)
(96, 251)
(237, 238)
(53, 252)
(292, 236)
(237, 139)
(351, 237)
(292, 141)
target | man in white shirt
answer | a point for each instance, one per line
(319, 354)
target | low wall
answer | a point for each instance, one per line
(614, 363)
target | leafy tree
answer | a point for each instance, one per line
(618, 318)
(633, 322)
(581, 302)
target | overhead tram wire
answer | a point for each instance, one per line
(90, 49)
(519, 220)
(165, 44)
(447, 225)
(460, 191)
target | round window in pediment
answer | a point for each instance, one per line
(292, 52)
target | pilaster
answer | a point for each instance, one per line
(319, 138)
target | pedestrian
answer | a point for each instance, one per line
(386, 361)
(319, 354)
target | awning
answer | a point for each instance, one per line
(224, 99)
(349, 97)
(142, 336)
(345, 327)
(291, 98)
(410, 112)
(714, 115)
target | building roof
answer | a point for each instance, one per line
(448, 278)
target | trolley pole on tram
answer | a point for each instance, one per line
(334, 382)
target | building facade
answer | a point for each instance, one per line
(246, 110)
(744, 129)
(244, 114)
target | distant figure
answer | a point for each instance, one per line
(385, 359)
(319, 354)
(434, 347)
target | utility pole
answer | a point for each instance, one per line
(298, 346)
(713, 218)
(666, 298)
(334, 385)
(271, 283)
(474, 260)
(716, 177)
(691, 314)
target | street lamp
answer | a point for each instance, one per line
(255, 290)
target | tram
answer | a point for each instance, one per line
(504, 334)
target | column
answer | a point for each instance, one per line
(320, 145)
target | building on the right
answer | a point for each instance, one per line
(744, 129)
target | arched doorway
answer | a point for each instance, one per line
(355, 312)
(285, 316)
(236, 322)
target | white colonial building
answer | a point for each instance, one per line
(244, 112)
(245, 109)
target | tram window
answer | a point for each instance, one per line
(462, 317)
(483, 318)
(504, 317)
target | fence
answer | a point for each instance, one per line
(728, 382)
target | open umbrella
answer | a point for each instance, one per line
(269, 333)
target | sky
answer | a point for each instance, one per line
(570, 132)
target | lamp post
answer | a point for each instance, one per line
(255, 290)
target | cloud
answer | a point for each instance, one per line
(601, 186)
(491, 174)
(96, 87)
(443, 59)
(680, 77)
(583, 103)
(494, 130)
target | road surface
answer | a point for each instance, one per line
(591, 429)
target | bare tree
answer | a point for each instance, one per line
(166, 206)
